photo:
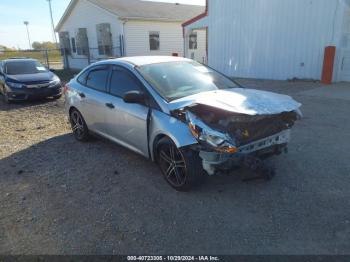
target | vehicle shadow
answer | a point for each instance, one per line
(65, 197)
(25, 104)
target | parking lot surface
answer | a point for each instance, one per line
(58, 196)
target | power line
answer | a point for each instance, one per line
(27, 24)
(52, 23)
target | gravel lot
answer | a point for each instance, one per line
(58, 196)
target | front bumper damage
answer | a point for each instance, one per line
(241, 141)
(247, 156)
(238, 127)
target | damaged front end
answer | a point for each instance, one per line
(227, 140)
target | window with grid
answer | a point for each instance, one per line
(82, 42)
(154, 41)
(193, 44)
(104, 39)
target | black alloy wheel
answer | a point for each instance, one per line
(181, 168)
(79, 127)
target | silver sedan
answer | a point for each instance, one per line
(187, 117)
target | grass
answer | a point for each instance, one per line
(54, 55)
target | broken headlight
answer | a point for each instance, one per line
(218, 141)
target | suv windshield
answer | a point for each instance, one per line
(24, 67)
(175, 80)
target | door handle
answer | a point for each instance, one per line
(110, 105)
(82, 95)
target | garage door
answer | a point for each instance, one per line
(345, 66)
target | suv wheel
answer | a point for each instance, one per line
(182, 168)
(79, 127)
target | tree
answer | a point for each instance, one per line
(5, 48)
(43, 45)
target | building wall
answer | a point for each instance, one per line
(344, 48)
(88, 15)
(272, 39)
(137, 38)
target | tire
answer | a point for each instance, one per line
(5, 97)
(79, 127)
(181, 168)
(57, 97)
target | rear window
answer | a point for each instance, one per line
(24, 67)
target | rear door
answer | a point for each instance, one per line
(93, 97)
(126, 123)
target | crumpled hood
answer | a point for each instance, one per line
(241, 101)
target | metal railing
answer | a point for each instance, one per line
(87, 56)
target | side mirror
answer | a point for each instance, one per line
(134, 97)
(52, 70)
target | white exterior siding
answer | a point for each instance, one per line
(135, 33)
(137, 38)
(88, 15)
(272, 39)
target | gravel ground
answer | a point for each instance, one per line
(58, 196)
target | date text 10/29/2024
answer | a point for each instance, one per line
(173, 258)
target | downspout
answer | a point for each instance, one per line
(123, 36)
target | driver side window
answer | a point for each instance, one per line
(122, 81)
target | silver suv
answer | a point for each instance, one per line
(190, 119)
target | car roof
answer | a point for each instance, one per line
(149, 60)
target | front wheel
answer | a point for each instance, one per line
(57, 97)
(5, 96)
(182, 168)
(79, 127)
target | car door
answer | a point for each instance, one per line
(94, 97)
(126, 123)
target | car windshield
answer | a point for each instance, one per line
(24, 67)
(175, 80)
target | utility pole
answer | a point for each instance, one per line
(26, 24)
(52, 23)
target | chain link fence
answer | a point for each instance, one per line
(80, 58)
(51, 58)
(66, 59)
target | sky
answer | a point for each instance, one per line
(14, 12)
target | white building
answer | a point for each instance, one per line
(275, 39)
(91, 30)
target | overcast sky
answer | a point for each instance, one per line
(36, 12)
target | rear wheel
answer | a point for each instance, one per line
(181, 168)
(79, 127)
